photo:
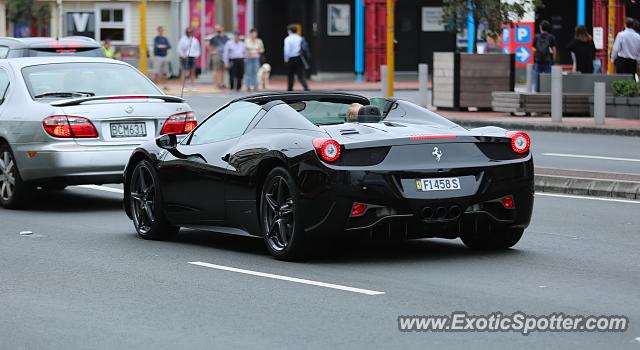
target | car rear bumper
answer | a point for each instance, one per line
(71, 163)
(396, 209)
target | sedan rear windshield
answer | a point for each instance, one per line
(90, 79)
(79, 51)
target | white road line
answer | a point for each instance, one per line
(103, 188)
(286, 278)
(590, 157)
(587, 197)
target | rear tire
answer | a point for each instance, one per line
(147, 206)
(280, 218)
(501, 239)
(14, 192)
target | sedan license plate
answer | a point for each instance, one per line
(439, 184)
(128, 130)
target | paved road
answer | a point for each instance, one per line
(84, 280)
(602, 153)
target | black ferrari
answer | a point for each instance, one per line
(297, 170)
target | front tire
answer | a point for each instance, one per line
(147, 207)
(499, 239)
(13, 191)
(280, 217)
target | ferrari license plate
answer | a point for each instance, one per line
(439, 184)
(128, 130)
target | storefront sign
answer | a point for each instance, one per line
(432, 19)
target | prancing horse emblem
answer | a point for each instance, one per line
(437, 153)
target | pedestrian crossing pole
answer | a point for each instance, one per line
(143, 37)
(390, 46)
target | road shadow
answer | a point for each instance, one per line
(353, 251)
(72, 200)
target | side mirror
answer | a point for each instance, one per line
(168, 142)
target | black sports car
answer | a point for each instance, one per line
(290, 168)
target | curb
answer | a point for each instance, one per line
(588, 187)
(587, 129)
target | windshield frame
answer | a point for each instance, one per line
(24, 71)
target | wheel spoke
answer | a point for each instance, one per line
(136, 196)
(141, 180)
(9, 166)
(271, 202)
(272, 228)
(4, 161)
(3, 190)
(282, 230)
(149, 212)
(11, 180)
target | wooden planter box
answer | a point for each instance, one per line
(620, 107)
(462, 80)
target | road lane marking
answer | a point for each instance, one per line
(587, 197)
(286, 278)
(566, 155)
(103, 188)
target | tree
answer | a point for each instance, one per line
(493, 13)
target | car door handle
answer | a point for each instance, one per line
(226, 157)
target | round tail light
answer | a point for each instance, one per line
(327, 149)
(520, 141)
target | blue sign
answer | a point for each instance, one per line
(506, 50)
(523, 34)
(523, 54)
(506, 35)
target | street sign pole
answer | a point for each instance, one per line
(390, 46)
(143, 37)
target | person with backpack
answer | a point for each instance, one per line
(626, 49)
(544, 52)
(296, 56)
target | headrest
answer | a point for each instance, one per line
(369, 114)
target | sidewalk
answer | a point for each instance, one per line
(280, 84)
(585, 125)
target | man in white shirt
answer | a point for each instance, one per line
(626, 49)
(293, 57)
(188, 50)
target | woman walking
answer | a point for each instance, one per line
(583, 50)
(255, 49)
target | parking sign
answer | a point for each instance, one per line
(523, 34)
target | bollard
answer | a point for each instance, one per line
(529, 77)
(556, 94)
(383, 80)
(423, 84)
(599, 102)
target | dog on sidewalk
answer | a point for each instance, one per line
(264, 72)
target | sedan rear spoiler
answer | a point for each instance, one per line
(78, 101)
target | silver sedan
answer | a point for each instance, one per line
(67, 121)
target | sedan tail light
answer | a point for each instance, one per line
(520, 141)
(178, 124)
(67, 126)
(328, 149)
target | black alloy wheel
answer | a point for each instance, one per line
(279, 217)
(146, 204)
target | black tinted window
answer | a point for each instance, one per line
(228, 123)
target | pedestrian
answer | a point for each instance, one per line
(188, 50)
(293, 57)
(255, 49)
(216, 63)
(545, 52)
(109, 49)
(583, 50)
(234, 55)
(626, 48)
(161, 46)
